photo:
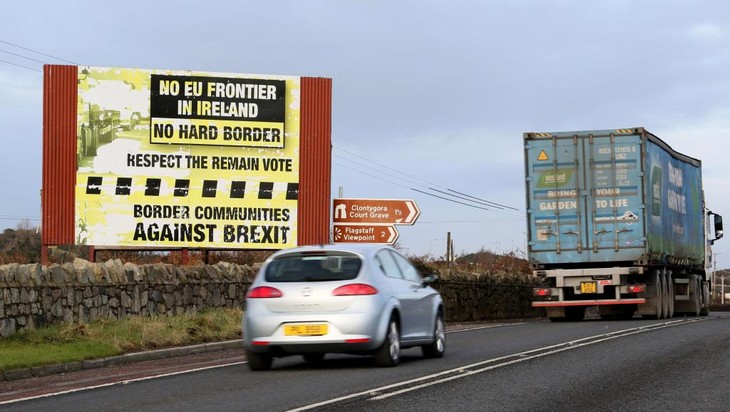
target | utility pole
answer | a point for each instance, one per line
(448, 249)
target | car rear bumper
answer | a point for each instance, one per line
(346, 333)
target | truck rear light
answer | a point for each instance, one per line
(641, 288)
(355, 289)
(542, 292)
(264, 292)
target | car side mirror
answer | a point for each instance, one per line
(430, 278)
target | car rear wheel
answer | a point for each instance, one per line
(388, 354)
(436, 348)
(258, 361)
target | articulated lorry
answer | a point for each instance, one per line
(617, 221)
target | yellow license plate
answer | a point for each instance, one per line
(305, 329)
(588, 287)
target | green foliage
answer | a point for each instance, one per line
(107, 337)
(21, 245)
(486, 260)
(25, 356)
(475, 265)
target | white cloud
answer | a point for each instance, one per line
(708, 32)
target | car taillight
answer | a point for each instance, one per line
(264, 292)
(355, 289)
(542, 292)
(636, 288)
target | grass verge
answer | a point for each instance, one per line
(109, 337)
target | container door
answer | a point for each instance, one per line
(556, 188)
(615, 210)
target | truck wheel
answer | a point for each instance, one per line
(656, 296)
(696, 297)
(665, 294)
(670, 295)
(705, 311)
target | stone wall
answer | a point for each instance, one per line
(80, 291)
(35, 295)
(470, 297)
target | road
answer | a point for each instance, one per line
(675, 365)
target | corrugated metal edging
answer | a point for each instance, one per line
(315, 161)
(59, 154)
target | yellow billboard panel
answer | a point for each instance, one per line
(187, 159)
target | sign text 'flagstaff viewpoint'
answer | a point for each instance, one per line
(372, 220)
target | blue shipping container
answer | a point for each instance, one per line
(612, 196)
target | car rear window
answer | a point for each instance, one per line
(313, 268)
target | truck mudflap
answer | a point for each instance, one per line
(546, 304)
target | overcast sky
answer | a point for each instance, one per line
(425, 94)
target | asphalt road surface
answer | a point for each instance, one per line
(670, 365)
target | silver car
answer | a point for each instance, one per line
(343, 298)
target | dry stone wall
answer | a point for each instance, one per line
(80, 291)
(470, 297)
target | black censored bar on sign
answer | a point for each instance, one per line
(152, 188)
(182, 187)
(155, 187)
(93, 185)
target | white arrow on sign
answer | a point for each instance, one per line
(413, 213)
(393, 235)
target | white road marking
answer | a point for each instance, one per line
(128, 381)
(375, 394)
(124, 382)
(467, 370)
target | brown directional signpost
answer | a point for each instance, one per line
(371, 220)
(365, 233)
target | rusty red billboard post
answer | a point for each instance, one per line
(371, 220)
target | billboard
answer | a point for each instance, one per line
(186, 159)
